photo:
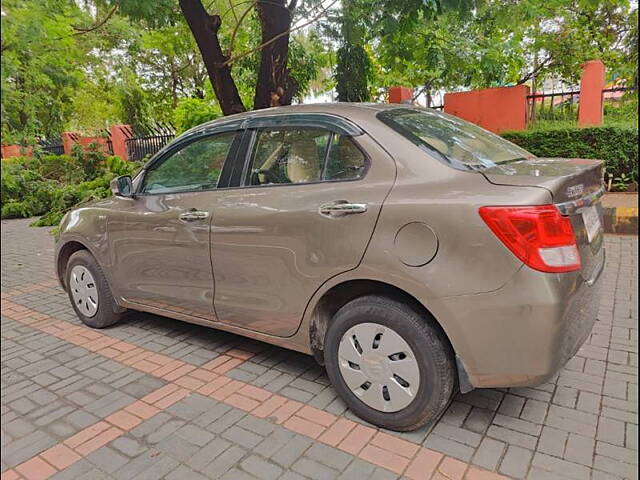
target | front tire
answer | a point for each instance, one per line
(389, 363)
(89, 292)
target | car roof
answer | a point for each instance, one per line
(344, 109)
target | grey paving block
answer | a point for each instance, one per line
(449, 447)
(195, 435)
(212, 450)
(128, 446)
(580, 449)
(107, 459)
(291, 451)
(312, 469)
(260, 468)
(331, 457)
(560, 467)
(184, 473)
(516, 462)
(242, 437)
(223, 462)
(489, 453)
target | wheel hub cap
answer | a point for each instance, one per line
(84, 291)
(379, 367)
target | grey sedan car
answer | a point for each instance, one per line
(412, 253)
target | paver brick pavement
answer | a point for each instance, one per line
(157, 398)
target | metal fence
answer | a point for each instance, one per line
(150, 140)
(553, 106)
(109, 144)
(560, 105)
(53, 146)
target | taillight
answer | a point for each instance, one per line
(538, 235)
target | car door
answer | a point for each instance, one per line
(303, 212)
(160, 239)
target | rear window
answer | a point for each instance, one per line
(459, 144)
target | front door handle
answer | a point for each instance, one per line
(342, 207)
(193, 216)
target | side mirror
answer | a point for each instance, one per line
(122, 186)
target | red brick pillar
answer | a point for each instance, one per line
(68, 139)
(400, 95)
(591, 106)
(119, 136)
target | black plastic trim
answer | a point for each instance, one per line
(326, 121)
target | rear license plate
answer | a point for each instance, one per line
(591, 221)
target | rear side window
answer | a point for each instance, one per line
(345, 161)
(303, 155)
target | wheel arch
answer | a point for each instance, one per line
(62, 259)
(342, 293)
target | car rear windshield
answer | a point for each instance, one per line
(458, 143)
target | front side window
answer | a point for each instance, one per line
(297, 155)
(460, 144)
(196, 166)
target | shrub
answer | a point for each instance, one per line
(51, 185)
(622, 110)
(616, 145)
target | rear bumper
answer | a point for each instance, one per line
(524, 332)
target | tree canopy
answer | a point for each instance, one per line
(69, 65)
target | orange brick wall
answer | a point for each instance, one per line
(496, 109)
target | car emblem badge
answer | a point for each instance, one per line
(575, 190)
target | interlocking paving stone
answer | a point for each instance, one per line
(582, 422)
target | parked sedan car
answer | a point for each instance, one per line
(412, 253)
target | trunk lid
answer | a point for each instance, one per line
(576, 186)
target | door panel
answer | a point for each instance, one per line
(160, 242)
(161, 260)
(272, 248)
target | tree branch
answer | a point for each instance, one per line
(82, 31)
(280, 35)
(235, 29)
(420, 92)
(545, 63)
(233, 10)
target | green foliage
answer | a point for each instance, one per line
(624, 110)
(194, 111)
(39, 71)
(134, 103)
(306, 56)
(504, 42)
(354, 67)
(352, 74)
(617, 146)
(51, 185)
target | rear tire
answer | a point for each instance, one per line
(407, 389)
(89, 292)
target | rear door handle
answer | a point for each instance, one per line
(193, 216)
(342, 207)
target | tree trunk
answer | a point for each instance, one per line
(275, 86)
(205, 31)
(174, 85)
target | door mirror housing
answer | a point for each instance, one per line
(122, 186)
